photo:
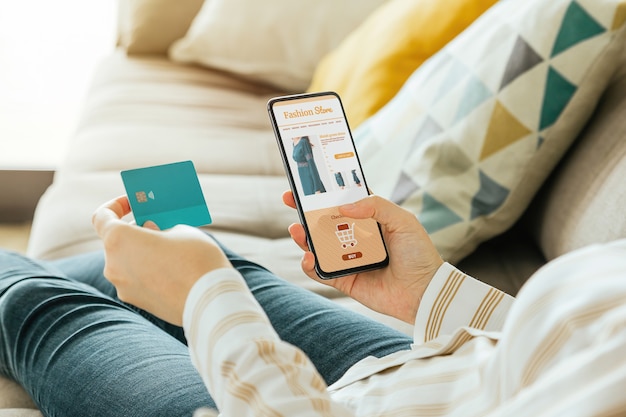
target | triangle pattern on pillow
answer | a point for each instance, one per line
(577, 26)
(435, 215)
(457, 72)
(558, 93)
(540, 141)
(504, 129)
(452, 160)
(620, 16)
(489, 197)
(428, 129)
(523, 58)
(404, 189)
(476, 93)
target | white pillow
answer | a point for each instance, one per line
(278, 42)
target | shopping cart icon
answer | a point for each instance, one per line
(345, 234)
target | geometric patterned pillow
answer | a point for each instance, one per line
(473, 133)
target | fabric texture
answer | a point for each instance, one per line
(269, 41)
(151, 26)
(473, 133)
(374, 61)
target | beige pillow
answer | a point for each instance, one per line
(150, 26)
(278, 42)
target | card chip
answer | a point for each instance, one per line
(141, 197)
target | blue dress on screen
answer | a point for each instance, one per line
(307, 170)
(339, 179)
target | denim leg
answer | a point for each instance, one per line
(80, 352)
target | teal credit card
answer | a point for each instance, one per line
(166, 194)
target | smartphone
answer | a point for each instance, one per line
(324, 173)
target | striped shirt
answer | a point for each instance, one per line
(557, 350)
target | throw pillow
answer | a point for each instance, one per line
(275, 41)
(151, 26)
(374, 61)
(474, 132)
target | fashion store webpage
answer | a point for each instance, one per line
(326, 173)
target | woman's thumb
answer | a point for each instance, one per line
(383, 211)
(151, 225)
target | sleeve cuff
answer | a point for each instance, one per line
(454, 299)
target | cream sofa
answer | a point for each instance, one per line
(144, 109)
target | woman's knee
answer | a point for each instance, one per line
(14, 266)
(17, 303)
(25, 293)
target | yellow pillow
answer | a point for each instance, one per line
(370, 66)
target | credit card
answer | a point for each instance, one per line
(166, 194)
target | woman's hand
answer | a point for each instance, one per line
(413, 260)
(154, 269)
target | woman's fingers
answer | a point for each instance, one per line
(296, 230)
(110, 214)
(288, 199)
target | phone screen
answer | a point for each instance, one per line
(324, 172)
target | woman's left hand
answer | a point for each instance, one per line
(152, 269)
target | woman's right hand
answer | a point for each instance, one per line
(413, 260)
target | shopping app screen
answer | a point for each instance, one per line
(326, 174)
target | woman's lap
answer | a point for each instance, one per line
(66, 336)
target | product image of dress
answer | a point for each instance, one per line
(307, 169)
(339, 179)
(357, 181)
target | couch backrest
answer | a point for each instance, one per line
(584, 201)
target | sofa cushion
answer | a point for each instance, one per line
(373, 62)
(583, 202)
(20, 412)
(150, 26)
(14, 401)
(475, 131)
(275, 41)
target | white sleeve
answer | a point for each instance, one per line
(454, 299)
(247, 369)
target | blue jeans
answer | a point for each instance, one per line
(78, 350)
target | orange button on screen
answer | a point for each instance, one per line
(344, 155)
(351, 256)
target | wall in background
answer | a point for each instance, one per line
(48, 52)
